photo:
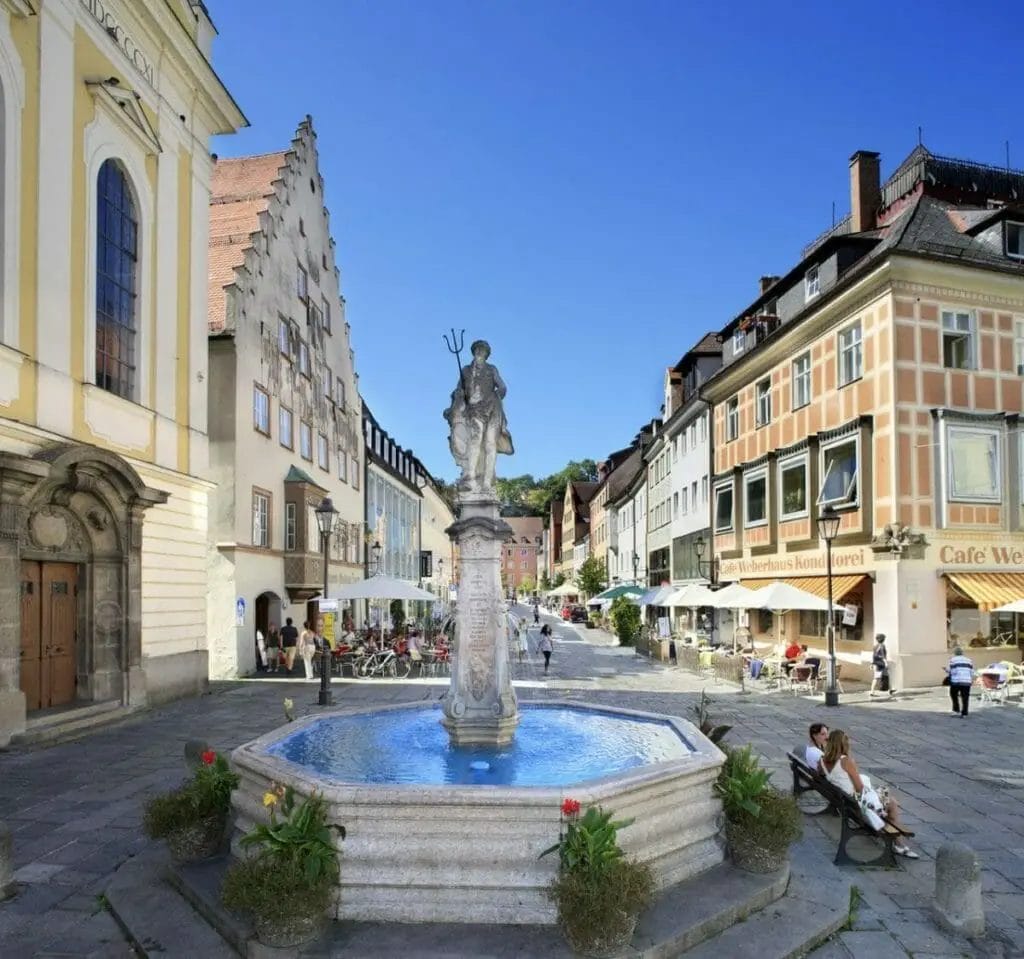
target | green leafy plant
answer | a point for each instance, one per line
(854, 907)
(301, 834)
(625, 617)
(592, 576)
(598, 891)
(276, 891)
(710, 729)
(206, 795)
(741, 782)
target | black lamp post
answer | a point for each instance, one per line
(711, 565)
(828, 529)
(325, 517)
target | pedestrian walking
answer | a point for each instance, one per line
(273, 648)
(536, 615)
(880, 665)
(308, 645)
(261, 651)
(961, 675)
(546, 645)
(290, 642)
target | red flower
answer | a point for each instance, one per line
(209, 756)
(570, 807)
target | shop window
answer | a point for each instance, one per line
(793, 489)
(839, 470)
(755, 499)
(973, 464)
(723, 508)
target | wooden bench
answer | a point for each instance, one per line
(852, 819)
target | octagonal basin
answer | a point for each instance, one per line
(553, 746)
(454, 834)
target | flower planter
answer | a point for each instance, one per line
(610, 942)
(750, 856)
(291, 931)
(200, 840)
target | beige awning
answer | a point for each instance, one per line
(989, 590)
(816, 585)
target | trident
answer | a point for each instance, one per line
(455, 347)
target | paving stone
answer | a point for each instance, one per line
(877, 945)
(1010, 903)
(37, 872)
(917, 935)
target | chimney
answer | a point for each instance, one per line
(767, 282)
(865, 191)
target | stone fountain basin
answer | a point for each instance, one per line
(469, 853)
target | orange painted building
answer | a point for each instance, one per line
(883, 376)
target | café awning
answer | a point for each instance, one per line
(816, 585)
(989, 590)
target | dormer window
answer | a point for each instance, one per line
(1015, 240)
(739, 340)
(812, 284)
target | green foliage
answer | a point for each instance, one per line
(715, 733)
(273, 889)
(592, 576)
(526, 496)
(397, 610)
(302, 835)
(740, 784)
(545, 583)
(593, 915)
(598, 891)
(625, 617)
(776, 826)
(558, 580)
(527, 586)
(206, 794)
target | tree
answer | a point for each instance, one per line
(558, 580)
(527, 585)
(625, 617)
(592, 576)
(545, 583)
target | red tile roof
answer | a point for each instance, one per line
(239, 192)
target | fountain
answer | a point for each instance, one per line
(447, 809)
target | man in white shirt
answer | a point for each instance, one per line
(814, 750)
(961, 675)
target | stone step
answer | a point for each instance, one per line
(155, 918)
(67, 724)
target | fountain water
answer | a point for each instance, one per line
(447, 810)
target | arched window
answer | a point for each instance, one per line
(117, 247)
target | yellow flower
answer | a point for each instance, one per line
(269, 799)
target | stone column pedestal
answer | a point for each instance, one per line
(480, 707)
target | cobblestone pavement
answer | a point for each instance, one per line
(75, 808)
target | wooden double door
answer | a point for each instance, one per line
(49, 624)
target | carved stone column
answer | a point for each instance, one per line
(480, 706)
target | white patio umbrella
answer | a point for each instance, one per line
(724, 598)
(693, 596)
(566, 589)
(778, 597)
(1017, 606)
(382, 587)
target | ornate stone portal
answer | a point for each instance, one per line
(480, 706)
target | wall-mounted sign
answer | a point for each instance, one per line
(850, 614)
(99, 12)
(986, 554)
(797, 564)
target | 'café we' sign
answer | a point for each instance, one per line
(989, 554)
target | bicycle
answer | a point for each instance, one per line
(385, 663)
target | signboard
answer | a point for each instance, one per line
(857, 559)
(664, 627)
(239, 611)
(850, 614)
(329, 620)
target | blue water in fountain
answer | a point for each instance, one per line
(553, 746)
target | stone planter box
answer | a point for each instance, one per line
(470, 853)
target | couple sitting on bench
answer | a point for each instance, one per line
(828, 754)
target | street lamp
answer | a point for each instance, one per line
(325, 517)
(699, 547)
(375, 551)
(828, 529)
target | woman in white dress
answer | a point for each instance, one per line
(841, 770)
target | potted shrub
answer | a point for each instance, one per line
(287, 884)
(193, 817)
(625, 618)
(599, 892)
(760, 822)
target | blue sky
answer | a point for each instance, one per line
(592, 185)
